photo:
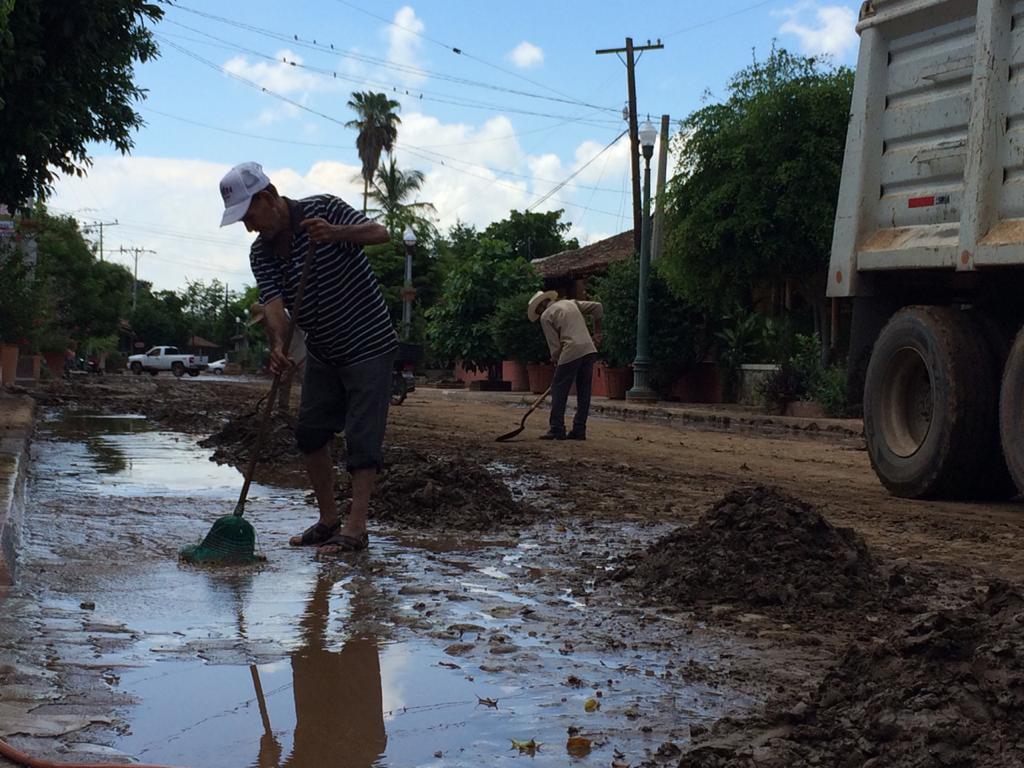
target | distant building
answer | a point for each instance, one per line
(568, 271)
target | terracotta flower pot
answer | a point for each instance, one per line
(618, 381)
(540, 376)
(515, 372)
(8, 363)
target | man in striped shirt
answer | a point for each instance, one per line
(350, 339)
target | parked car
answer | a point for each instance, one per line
(217, 366)
(167, 359)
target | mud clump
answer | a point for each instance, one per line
(417, 490)
(946, 689)
(758, 548)
(235, 441)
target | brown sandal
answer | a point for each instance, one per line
(346, 543)
(318, 533)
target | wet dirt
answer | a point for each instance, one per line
(760, 549)
(945, 689)
(738, 682)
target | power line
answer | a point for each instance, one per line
(312, 44)
(418, 93)
(717, 19)
(457, 50)
(576, 173)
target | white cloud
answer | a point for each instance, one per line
(404, 43)
(526, 55)
(279, 76)
(829, 29)
(172, 206)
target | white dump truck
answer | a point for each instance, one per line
(929, 244)
(167, 359)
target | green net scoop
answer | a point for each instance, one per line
(231, 541)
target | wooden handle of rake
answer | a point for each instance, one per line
(265, 422)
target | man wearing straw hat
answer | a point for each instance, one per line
(573, 351)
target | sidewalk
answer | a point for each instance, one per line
(724, 417)
(17, 416)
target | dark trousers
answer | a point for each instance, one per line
(579, 371)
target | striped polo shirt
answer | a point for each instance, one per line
(343, 312)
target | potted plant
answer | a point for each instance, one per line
(520, 342)
(678, 332)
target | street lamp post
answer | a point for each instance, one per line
(408, 292)
(641, 390)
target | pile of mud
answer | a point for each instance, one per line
(234, 442)
(758, 548)
(417, 490)
(945, 690)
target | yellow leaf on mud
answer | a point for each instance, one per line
(591, 705)
(578, 746)
(528, 747)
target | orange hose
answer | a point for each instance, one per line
(20, 758)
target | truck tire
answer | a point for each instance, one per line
(929, 402)
(1011, 411)
(994, 483)
(178, 368)
(136, 368)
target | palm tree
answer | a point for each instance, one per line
(391, 188)
(377, 124)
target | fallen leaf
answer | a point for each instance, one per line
(528, 747)
(591, 705)
(578, 746)
(619, 764)
(448, 664)
(487, 702)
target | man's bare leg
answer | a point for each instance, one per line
(320, 469)
(355, 525)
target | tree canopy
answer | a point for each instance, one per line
(533, 235)
(459, 325)
(66, 79)
(377, 124)
(755, 200)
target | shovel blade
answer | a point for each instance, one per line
(509, 435)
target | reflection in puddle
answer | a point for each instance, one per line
(411, 650)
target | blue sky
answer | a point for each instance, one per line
(525, 105)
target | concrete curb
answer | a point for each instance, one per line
(708, 418)
(17, 418)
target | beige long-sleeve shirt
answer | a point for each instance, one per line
(566, 329)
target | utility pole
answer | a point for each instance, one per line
(634, 141)
(135, 281)
(658, 235)
(100, 225)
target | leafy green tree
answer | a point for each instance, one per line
(78, 297)
(755, 200)
(66, 79)
(159, 318)
(377, 124)
(533, 235)
(392, 188)
(516, 337)
(459, 325)
(679, 332)
(17, 298)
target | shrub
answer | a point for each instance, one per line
(678, 332)
(801, 377)
(515, 337)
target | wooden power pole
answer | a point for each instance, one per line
(634, 137)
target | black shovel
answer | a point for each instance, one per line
(522, 424)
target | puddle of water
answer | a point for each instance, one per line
(383, 659)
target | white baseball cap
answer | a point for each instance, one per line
(237, 188)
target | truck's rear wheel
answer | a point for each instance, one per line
(929, 403)
(178, 369)
(1011, 411)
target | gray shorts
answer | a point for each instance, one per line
(352, 399)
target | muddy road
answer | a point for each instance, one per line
(515, 593)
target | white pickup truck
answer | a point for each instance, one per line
(167, 359)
